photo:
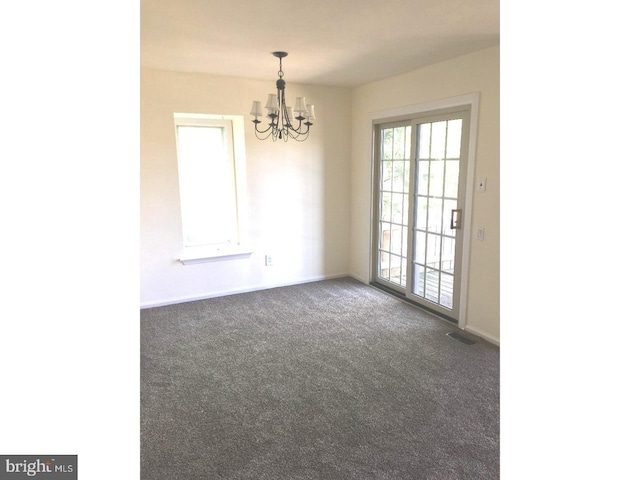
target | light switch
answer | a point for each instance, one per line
(482, 184)
(480, 234)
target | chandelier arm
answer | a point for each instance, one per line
(269, 133)
(268, 129)
(298, 134)
(295, 129)
(300, 130)
(301, 138)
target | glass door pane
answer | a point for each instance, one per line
(436, 200)
(393, 208)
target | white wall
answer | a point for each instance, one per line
(297, 193)
(477, 72)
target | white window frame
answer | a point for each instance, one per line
(214, 252)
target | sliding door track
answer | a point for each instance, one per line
(403, 297)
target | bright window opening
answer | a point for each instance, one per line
(211, 170)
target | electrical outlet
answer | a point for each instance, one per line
(268, 260)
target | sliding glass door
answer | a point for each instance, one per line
(420, 178)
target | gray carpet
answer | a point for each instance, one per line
(326, 380)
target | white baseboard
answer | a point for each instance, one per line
(254, 288)
(484, 335)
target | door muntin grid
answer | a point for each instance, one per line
(393, 208)
(435, 196)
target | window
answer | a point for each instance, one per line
(211, 171)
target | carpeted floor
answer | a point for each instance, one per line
(326, 380)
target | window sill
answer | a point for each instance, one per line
(214, 254)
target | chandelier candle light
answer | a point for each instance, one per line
(281, 116)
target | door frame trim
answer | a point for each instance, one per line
(473, 101)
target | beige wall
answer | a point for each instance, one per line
(478, 72)
(297, 193)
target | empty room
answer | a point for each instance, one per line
(319, 240)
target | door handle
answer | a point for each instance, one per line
(455, 219)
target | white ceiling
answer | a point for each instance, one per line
(330, 42)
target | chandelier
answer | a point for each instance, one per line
(282, 124)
